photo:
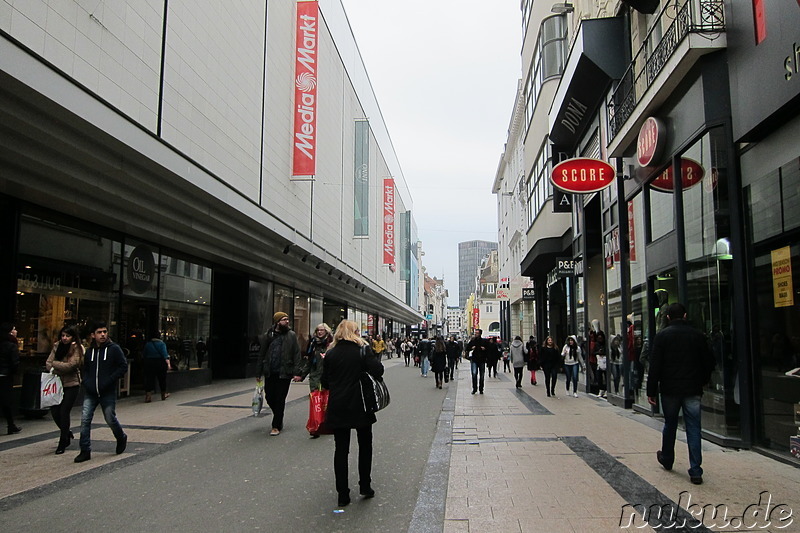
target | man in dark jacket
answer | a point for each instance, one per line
(103, 365)
(680, 365)
(480, 348)
(279, 361)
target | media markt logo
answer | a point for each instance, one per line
(687, 515)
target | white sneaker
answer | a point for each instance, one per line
(575, 394)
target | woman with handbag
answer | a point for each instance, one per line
(439, 362)
(342, 369)
(66, 360)
(311, 364)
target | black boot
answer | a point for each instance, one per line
(13, 428)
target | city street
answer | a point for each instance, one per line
(445, 460)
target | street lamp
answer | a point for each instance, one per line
(562, 8)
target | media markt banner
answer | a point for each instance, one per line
(305, 91)
(783, 290)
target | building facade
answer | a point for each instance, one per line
(470, 255)
(188, 170)
(660, 90)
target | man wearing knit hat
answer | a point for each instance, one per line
(279, 362)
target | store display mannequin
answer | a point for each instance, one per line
(662, 297)
(592, 349)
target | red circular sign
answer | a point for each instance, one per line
(582, 175)
(650, 143)
(691, 174)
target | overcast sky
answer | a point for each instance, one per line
(445, 76)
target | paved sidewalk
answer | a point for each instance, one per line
(28, 459)
(523, 462)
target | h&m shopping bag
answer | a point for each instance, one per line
(51, 391)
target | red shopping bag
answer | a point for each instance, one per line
(317, 407)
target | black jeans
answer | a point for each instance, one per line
(518, 372)
(550, 378)
(6, 393)
(276, 389)
(60, 413)
(341, 438)
(155, 369)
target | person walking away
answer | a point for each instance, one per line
(518, 359)
(9, 361)
(424, 350)
(533, 358)
(156, 363)
(493, 349)
(453, 355)
(341, 375)
(615, 362)
(379, 347)
(200, 349)
(681, 362)
(407, 348)
(572, 360)
(279, 363)
(103, 365)
(478, 347)
(551, 365)
(65, 360)
(439, 362)
(506, 359)
(602, 364)
(311, 365)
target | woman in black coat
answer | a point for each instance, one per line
(439, 361)
(9, 361)
(550, 359)
(341, 375)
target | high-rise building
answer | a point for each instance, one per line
(470, 254)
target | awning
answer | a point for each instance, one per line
(648, 7)
(542, 256)
(598, 57)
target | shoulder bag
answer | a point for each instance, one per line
(374, 392)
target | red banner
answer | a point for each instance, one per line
(476, 318)
(388, 222)
(305, 89)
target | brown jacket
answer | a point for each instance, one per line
(69, 368)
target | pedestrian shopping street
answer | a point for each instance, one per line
(445, 460)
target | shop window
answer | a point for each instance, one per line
(185, 313)
(65, 276)
(709, 272)
(662, 213)
(302, 317)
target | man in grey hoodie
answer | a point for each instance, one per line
(103, 365)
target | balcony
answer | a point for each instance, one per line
(693, 28)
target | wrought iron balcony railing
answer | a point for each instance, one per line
(688, 17)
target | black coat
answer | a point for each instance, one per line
(438, 361)
(341, 373)
(681, 361)
(9, 356)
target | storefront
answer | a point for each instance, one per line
(70, 273)
(766, 125)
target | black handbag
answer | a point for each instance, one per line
(374, 392)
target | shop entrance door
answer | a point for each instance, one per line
(138, 322)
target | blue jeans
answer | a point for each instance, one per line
(477, 369)
(572, 375)
(108, 403)
(425, 364)
(690, 405)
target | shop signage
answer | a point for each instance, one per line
(528, 293)
(611, 248)
(141, 269)
(783, 290)
(476, 318)
(388, 222)
(631, 232)
(650, 145)
(305, 90)
(691, 174)
(582, 175)
(565, 267)
(503, 294)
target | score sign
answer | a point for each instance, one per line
(582, 175)
(650, 143)
(691, 174)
